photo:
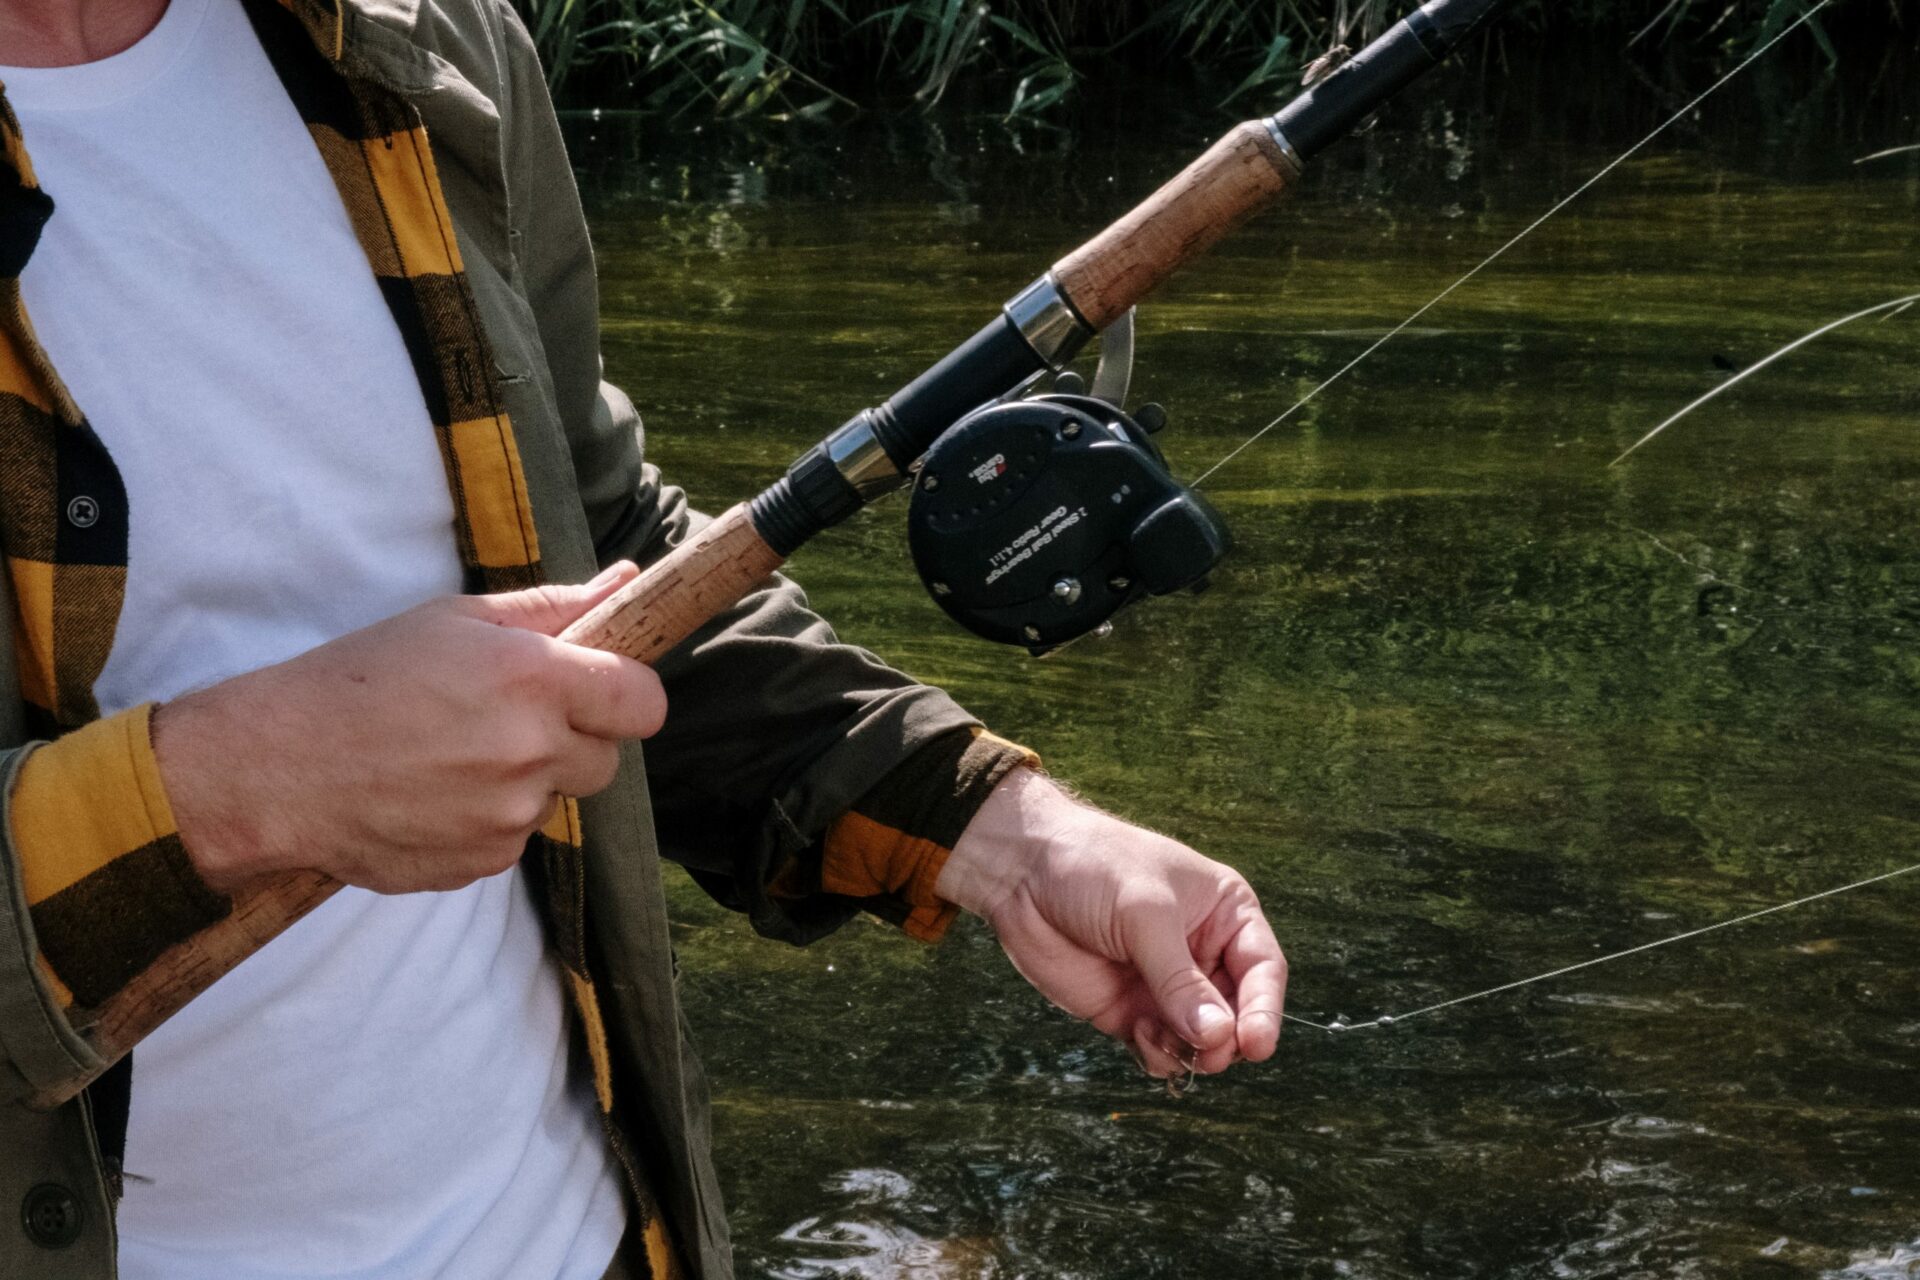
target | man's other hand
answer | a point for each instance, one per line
(1162, 949)
(418, 753)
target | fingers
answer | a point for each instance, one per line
(606, 695)
(587, 768)
(603, 695)
(1258, 968)
(1189, 1004)
(1154, 1049)
(1162, 1053)
(550, 610)
(1249, 977)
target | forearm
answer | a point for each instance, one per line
(989, 858)
(421, 753)
(789, 778)
(892, 848)
(802, 780)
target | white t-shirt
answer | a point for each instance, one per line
(383, 1091)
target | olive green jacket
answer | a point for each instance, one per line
(776, 728)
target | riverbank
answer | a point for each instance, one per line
(1035, 59)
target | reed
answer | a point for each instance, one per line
(789, 59)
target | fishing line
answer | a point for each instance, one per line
(1384, 1021)
(1894, 307)
(1391, 1020)
(1497, 254)
(1890, 151)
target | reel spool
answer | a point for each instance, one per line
(1034, 521)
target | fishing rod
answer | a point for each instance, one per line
(1033, 521)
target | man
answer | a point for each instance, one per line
(301, 429)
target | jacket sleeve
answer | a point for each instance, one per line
(39, 1048)
(96, 886)
(775, 729)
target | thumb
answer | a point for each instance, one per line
(1188, 1002)
(553, 608)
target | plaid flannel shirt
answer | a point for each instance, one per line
(109, 883)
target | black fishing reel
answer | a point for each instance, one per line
(1034, 521)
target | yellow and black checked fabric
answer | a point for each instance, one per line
(106, 877)
(63, 512)
(103, 849)
(376, 150)
(63, 518)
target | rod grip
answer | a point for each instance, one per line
(696, 581)
(1235, 178)
(186, 969)
(681, 592)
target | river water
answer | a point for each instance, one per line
(1466, 703)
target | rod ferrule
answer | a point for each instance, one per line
(1048, 322)
(1288, 152)
(860, 458)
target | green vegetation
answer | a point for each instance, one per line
(784, 59)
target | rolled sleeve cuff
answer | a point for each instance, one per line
(888, 850)
(106, 877)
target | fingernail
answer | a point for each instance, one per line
(1210, 1018)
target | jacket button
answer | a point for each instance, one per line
(84, 512)
(51, 1215)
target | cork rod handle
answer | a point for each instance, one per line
(699, 579)
(1234, 179)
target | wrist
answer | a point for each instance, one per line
(1005, 842)
(186, 737)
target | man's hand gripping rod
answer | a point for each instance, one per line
(1041, 329)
